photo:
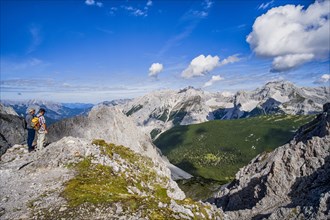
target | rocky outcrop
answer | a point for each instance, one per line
(291, 182)
(11, 129)
(111, 125)
(74, 178)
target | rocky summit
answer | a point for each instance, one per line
(291, 182)
(77, 179)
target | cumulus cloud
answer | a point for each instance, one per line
(213, 80)
(230, 59)
(292, 35)
(93, 2)
(200, 65)
(287, 62)
(323, 79)
(155, 69)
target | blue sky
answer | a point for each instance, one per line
(91, 51)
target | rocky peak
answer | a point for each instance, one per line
(293, 180)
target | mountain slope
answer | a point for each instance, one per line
(217, 149)
(111, 125)
(159, 111)
(74, 178)
(291, 182)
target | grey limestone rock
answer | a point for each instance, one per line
(11, 129)
(292, 182)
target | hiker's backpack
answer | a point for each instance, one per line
(35, 123)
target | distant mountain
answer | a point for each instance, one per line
(159, 111)
(78, 105)
(54, 111)
(291, 182)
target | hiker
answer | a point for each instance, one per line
(41, 133)
(31, 131)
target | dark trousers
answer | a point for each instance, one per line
(31, 134)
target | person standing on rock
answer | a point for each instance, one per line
(31, 131)
(41, 133)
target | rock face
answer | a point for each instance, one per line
(111, 125)
(291, 182)
(11, 129)
(161, 110)
(74, 178)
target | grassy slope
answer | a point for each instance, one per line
(217, 149)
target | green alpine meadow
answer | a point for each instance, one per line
(217, 149)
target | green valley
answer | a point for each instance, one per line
(217, 149)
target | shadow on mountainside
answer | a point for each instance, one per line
(171, 139)
(188, 167)
(282, 136)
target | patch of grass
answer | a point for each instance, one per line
(99, 186)
(217, 149)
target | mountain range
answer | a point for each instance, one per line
(101, 165)
(159, 111)
(54, 111)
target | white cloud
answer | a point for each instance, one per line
(287, 62)
(266, 5)
(137, 11)
(92, 2)
(200, 65)
(230, 59)
(89, 2)
(155, 69)
(325, 77)
(292, 35)
(149, 3)
(213, 80)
